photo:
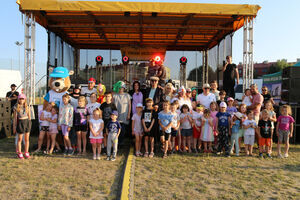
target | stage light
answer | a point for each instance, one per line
(125, 60)
(183, 60)
(157, 59)
(99, 60)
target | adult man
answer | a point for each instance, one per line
(87, 91)
(154, 92)
(206, 97)
(157, 69)
(12, 95)
(267, 96)
(257, 102)
(229, 70)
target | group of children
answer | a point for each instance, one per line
(221, 127)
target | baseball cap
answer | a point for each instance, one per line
(155, 78)
(223, 104)
(114, 113)
(139, 105)
(22, 96)
(188, 90)
(92, 80)
(230, 99)
(13, 85)
(206, 85)
(60, 72)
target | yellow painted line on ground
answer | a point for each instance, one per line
(126, 178)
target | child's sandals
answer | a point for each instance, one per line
(165, 155)
(146, 154)
(151, 155)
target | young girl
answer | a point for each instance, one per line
(96, 133)
(207, 135)
(249, 126)
(165, 123)
(175, 125)
(93, 105)
(223, 131)
(186, 123)
(272, 117)
(197, 127)
(285, 127)
(213, 112)
(243, 111)
(235, 127)
(137, 129)
(80, 123)
(22, 125)
(247, 98)
(53, 128)
(65, 122)
(231, 109)
(45, 122)
(176, 102)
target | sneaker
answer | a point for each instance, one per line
(269, 155)
(94, 157)
(98, 157)
(279, 155)
(20, 156)
(151, 155)
(286, 155)
(113, 158)
(218, 153)
(261, 155)
(66, 152)
(70, 152)
(27, 156)
(108, 158)
(237, 155)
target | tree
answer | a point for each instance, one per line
(279, 65)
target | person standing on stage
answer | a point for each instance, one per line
(230, 72)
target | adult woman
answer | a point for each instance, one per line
(183, 99)
(137, 95)
(168, 92)
(194, 94)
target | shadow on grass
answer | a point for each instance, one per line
(286, 167)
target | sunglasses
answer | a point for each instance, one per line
(188, 91)
(154, 80)
(206, 88)
(264, 90)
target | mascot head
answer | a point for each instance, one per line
(59, 79)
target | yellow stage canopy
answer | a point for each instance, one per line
(111, 25)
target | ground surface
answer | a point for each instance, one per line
(57, 177)
(214, 177)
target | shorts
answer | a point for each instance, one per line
(165, 135)
(23, 126)
(187, 132)
(249, 139)
(264, 141)
(82, 128)
(53, 130)
(241, 133)
(64, 130)
(138, 133)
(95, 141)
(283, 136)
(45, 128)
(196, 133)
(150, 133)
(174, 132)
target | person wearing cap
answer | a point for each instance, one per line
(257, 101)
(122, 101)
(12, 96)
(154, 92)
(223, 129)
(137, 128)
(230, 72)
(183, 99)
(87, 91)
(230, 108)
(113, 128)
(205, 98)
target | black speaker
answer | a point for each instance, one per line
(291, 72)
(291, 83)
(291, 95)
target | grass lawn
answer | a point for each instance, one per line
(58, 177)
(201, 176)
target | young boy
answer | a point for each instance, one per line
(107, 108)
(165, 123)
(222, 96)
(148, 120)
(113, 130)
(223, 124)
(264, 134)
(249, 135)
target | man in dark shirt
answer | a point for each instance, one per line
(267, 96)
(229, 72)
(12, 96)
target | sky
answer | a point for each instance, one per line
(276, 35)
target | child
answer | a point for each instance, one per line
(222, 95)
(197, 127)
(175, 125)
(53, 127)
(213, 112)
(249, 126)
(264, 133)
(137, 129)
(165, 123)
(230, 108)
(285, 127)
(80, 123)
(148, 120)
(272, 117)
(243, 111)
(207, 135)
(247, 98)
(22, 125)
(44, 118)
(96, 125)
(65, 122)
(176, 102)
(186, 123)
(113, 129)
(223, 131)
(107, 107)
(235, 128)
(93, 105)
